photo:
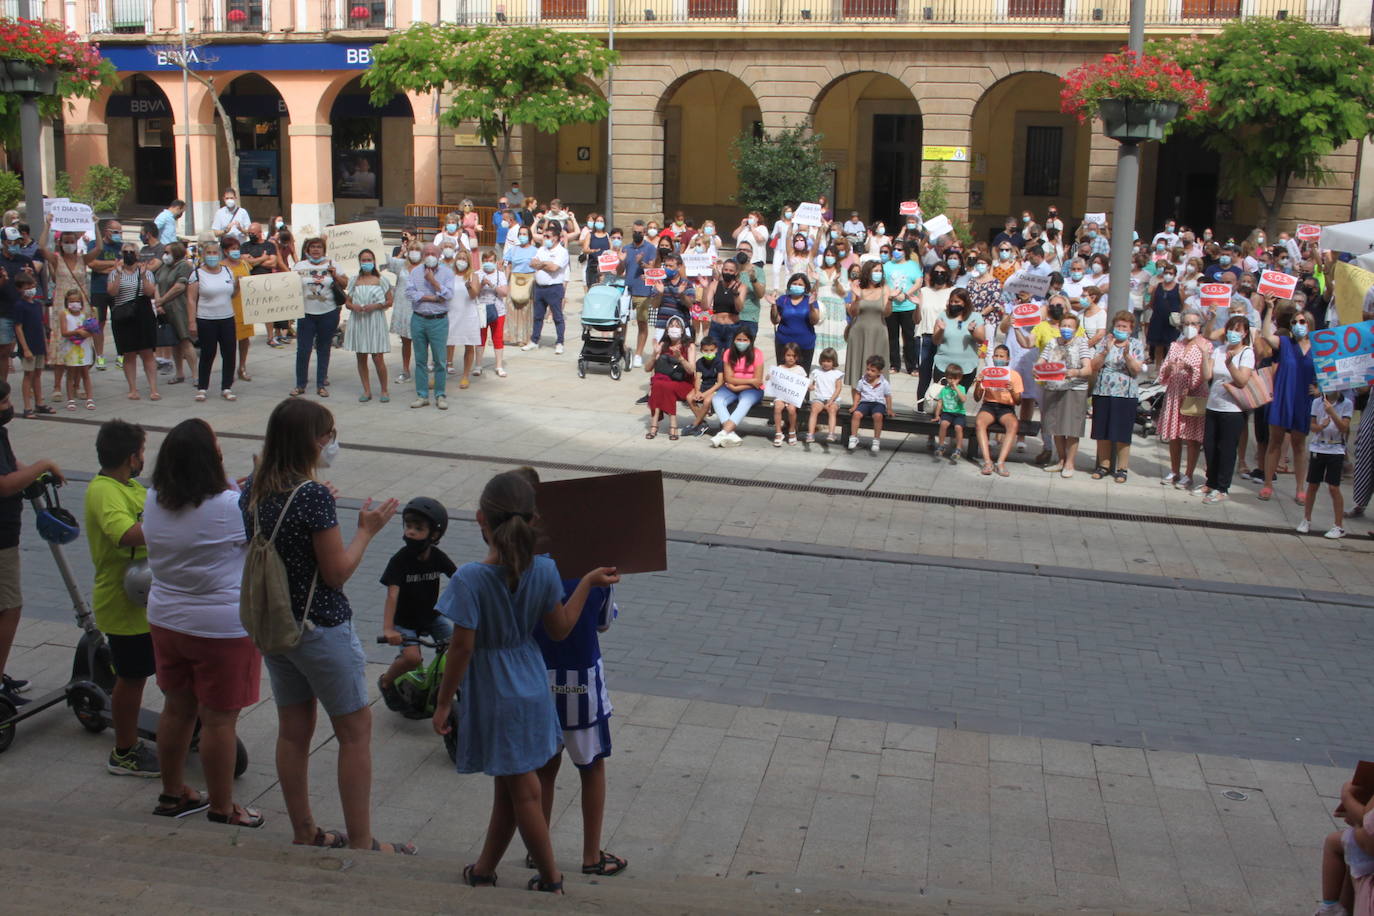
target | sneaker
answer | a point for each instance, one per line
(717, 440)
(141, 760)
(13, 696)
(697, 430)
(1214, 496)
(420, 402)
(853, 443)
(403, 377)
(390, 695)
(557, 349)
(441, 402)
(954, 456)
(100, 363)
(1336, 533)
(13, 684)
(1168, 479)
(1304, 526)
(1184, 483)
(643, 400)
(450, 370)
(730, 440)
(1331, 909)
(532, 345)
(639, 362)
(119, 362)
(874, 447)
(1200, 490)
(476, 371)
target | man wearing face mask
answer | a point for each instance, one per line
(166, 221)
(101, 258)
(430, 289)
(230, 219)
(550, 285)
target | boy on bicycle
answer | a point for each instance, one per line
(412, 590)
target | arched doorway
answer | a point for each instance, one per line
(372, 153)
(702, 114)
(260, 116)
(569, 165)
(1186, 175)
(141, 140)
(1027, 155)
(871, 133)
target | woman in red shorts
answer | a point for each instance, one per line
(206, 664)
(673, 367)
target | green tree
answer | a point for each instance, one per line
(498, 78)
(103, 187)
(1283, 94)
(11, 191)
(934, 200)
(779, 170)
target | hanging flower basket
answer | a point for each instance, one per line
(25, 78)
(238, 15)
(359, 13)
(36, 55)
(1136, 95)
(1135, 119)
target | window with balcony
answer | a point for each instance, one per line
(712, 9)
(243, 16)
(869, 9)
(1044, 161)
(562, 9)
(1211, 9)
(1035, 9)
(129, 17)
(365, 14)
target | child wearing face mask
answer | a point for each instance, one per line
(412, 592)
(672, 369)
(369, 296)
(781, 408)
(31, 343)
(77, 348)
(709, 378)
(491, 287)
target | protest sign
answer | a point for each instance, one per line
(69, 216)
(1309, 233)
(1215, 295)
(655, 275)
(807, 215)
(580, 540)
(1344, 356)
(785, 386)
(937, 226)
(1352, 286)
(1036, 285)
(1277, 284)
(608, 262)
(347, 239)
(272, 297)
(697, 265)
(1025, 315)
(1049, 372)
(998, 377)
(909, 208)
(1099, 218)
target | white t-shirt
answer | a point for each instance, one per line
(558, 256)
(196, 556)
(216, 296)
(318, 286)
(232, 221)
(1093, 323)
(1330, 440)
(826, 382)
(1219, 399)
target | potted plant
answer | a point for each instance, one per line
(1136, 95)
(45, 59)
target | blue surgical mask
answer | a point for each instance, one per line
(742, 346)
(548, 243)
(234, 254)
(524, 239)
(212, 260)
(1119, 334)
(1234, 337)
(1097, 270)
(1224, 260)
(885, 257)
(830, 260)
(952, 263)
(116, 237)
(1075, 275)
(1159, 247)
(1092, 234)
(489, 267)
(451, 228)
(599, 224)
(670, 272)
(1005, 255)
(796, 290)
(1299, 331)
(1066, 333)
(316, 258)
(709, 230)
(979, 269)
(899, 255)
(367, 267)
(998, 361)
(616, 243)
(877, 276)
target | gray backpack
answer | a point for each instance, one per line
(265, 591)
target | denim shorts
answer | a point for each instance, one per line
(328, 666)
(6, 331)
(439, 630)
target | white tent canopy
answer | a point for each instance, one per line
(1356, 237)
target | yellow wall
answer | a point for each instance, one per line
(713, 108)
(570, 137)
(846, 132)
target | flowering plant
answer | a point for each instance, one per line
(49, 43)
(1135, 76)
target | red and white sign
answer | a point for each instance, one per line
(1277, 284)
(1049, 372)
(998, 377)
(608, 262)
(1215, 295)
(1309, 233)
(655, 274)
(1025, 315)
(909, 208)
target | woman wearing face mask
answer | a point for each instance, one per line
(795, 316)
(131, 290)
(932, 301)
(751, 229)
(464, 321)
(799, 255)
(1285, 335)
(68, 270)
(1140, 282)
(1118, 365)
(369, 296)
(831, 286)
(904, 278)
(958, 332)
(1226, 370)
(1065, 401)
(210, 297)
(1007, 262)
(673, 368)
(778, 241)
(492, 286)
(451, 235)
(877, 240)
(519, 252)
(400, 265)
(869, 310)
(320, 283)
(232, 252)
(282, 333)
(1182, 374)
(985, 290)
(327, 668)
(1165, 302)
(742, 389)
(724, 296)
(594, 241)
(1092, 316)
(172, 278)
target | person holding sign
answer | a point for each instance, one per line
(69, 272)
(672, 380)
(1183, 419)
(323, 288)
(1063, 371)
(1285, 335)
(999, 387)
(368, 298)
(210, 294)
(788, 365)
(594, 242)
(1118, 364)
(243, 332)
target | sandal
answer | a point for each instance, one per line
(176, 381)
(244, 376)
(228, 395)
(777, 440)
(154, 396)
(297, 392)
(987, 469)
(609, 865)
(90, 404)
(1002, 471)
(791, 438)
(180, 805)
(672, 434)
(364, 398)
(45, 410)
(547, 887)
(400, 849)
(1119, 475)
(651, 433)
(1099, 472)
(1266, 493)
(472, 879)
(241, 817)
(322, 839)
(500, 373)
(71, 405)
(322, 392)
(28, 415)
(1300, 499)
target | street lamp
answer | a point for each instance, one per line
(610, 113)
(1127, 183)
(186, 126)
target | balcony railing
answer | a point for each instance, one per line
(122, 17)
(364, 14)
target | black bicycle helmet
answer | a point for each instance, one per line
(432, 511)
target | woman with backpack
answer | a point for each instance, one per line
(291, 517)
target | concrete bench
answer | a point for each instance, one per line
(901, 420)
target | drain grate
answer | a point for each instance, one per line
(836, 474)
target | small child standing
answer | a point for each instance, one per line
(825, 395)
(412, 592)
(950, 412)
(791, 354)
(1331, 415)
(872, 398)
(32, 343)
(709, 380)
(76, 348)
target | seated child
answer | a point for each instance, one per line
(949, 411)
(412, 591)
(872, 398)
(826, 386)
(709, 380)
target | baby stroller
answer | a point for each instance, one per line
(1148, 407)
(605, 313)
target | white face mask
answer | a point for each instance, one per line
(675, 333)
(414, 256)
(329, 453)
(448, 254)
(166, 259)
(229, 201)
(69, 247)
(460, 265)
(431, 261)
(1189, 331)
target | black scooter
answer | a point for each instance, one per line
(93, 678)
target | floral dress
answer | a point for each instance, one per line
(1183, 371)
(987, 300)
(64, 279)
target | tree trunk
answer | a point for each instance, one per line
(227, 126)
(1275, 203)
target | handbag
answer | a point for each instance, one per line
(521, 289)
(667, 365)
(1193, 406)
(1258, 391)
(492, 315)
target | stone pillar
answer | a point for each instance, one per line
(426, 153)
(312, 177)
(1101, 195)
(204, 168)
(947, 103)
(637, 163)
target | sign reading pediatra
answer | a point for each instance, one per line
(807, 215)
(70, 216)
(786, 386)
(346, 240)
(272, 297)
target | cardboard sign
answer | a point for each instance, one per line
(272, 297)
(580, 541)
(1049, 372)
(697, 265)
(1025, 282)
(69, 216)
(655, 275)
(909, 208)
(998, 377)
(1215, 295)
(1025, 315)
(608, 263)
(1308, 233)
(937, 226)
(1099, 218)
(1352, 285)
(1344, 356)
(807, 215)
(345, 241)
(786, 386)
(1277, 284)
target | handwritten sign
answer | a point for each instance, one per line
(1215, 295)
(1352, 285)
(1308, 233)
(272, 297)
(1035, 285)
(697, 265)
(1099, 218)
(655, 275)
(69, 216)
(1049, 372)
(346, 240)
(1277, 284)
(937, 226)
(807, 215)
(909, 208)
(1025, 315)
(1344, 356)
(997, 377)
(785, 385)
(608, 263)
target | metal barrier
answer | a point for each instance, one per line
(428, 219)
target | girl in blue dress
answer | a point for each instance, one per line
(507, 725)
(1285, 334)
